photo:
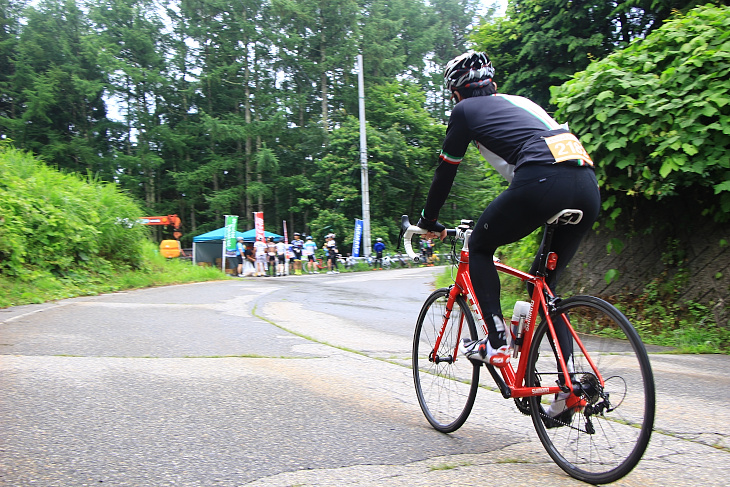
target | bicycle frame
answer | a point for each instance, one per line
(512, 382)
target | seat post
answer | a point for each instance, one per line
(547, 241)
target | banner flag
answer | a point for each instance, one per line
(286, 235)
(230, 235)
(258, 218)
(356, 238)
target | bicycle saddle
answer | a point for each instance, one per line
(566, 217)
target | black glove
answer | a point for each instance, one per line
(430, 225)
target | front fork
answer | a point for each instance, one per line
(433, 356)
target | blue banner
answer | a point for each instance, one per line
(356, 238)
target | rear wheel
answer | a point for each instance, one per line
(605, 435)
(446, 384)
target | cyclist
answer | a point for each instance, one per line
(548, 171)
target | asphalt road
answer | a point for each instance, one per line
(301, 380)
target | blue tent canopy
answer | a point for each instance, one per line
(219, 234)
(208, 247)
(250, 235)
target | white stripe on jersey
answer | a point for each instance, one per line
(506, 170)
(533, 109)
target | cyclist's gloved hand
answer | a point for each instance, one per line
(430, 225)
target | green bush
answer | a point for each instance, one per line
(62, 223)
(656, 116)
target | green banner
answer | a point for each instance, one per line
(231, 227)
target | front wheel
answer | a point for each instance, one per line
(446, 384)
(604, 435)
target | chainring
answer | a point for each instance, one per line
(523, 405)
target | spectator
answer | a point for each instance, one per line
(331, 246)
(271, 255)
(308, 250)
(249, 262)
(281, 248)
(378, 248)
(297, 247)
(260, 253)
(240, 251)
(427, 251)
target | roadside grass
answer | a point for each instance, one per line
(42, 286)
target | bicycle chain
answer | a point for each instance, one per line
(523, 406)
(561, 423)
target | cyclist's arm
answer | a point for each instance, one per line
(455, 145)
(443, 179)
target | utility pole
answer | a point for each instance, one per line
(363, 161)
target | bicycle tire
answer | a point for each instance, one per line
(605, 440)
(446, 388)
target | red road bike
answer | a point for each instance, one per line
(602, 362)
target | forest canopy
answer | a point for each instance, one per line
(207, 108)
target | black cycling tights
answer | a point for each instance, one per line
(536, 193)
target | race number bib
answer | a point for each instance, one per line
(567, 147)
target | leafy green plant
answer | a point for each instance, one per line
(662, 319)
(62, 223)
(656, 115)
(615, 245)
(611, 275)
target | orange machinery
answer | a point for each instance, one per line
(168, 248)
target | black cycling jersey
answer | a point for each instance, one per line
(509, 131)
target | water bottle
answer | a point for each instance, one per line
(520, 315)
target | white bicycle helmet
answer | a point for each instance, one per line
(469, 70)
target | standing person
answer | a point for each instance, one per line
(271, 256)
(427, 251)
(331, 246)
(260, 252)
(249, 262)
(308, 250)
(548, 170)
(240, 255)
(378, 248)
(281, 249)
(297, 247)
(424, 254)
